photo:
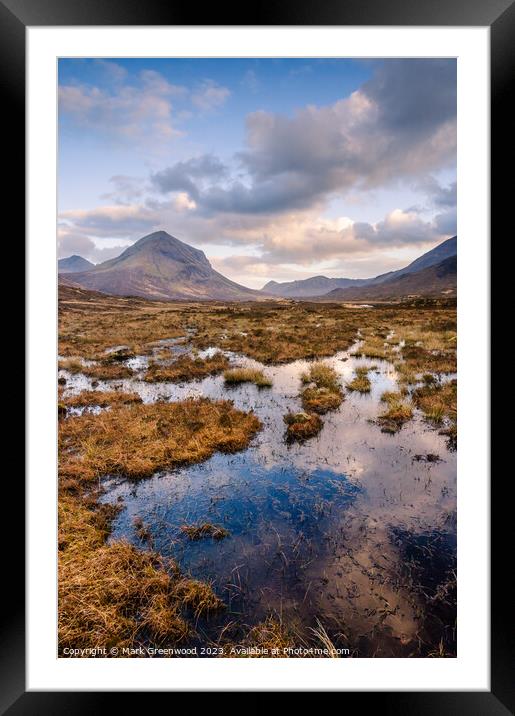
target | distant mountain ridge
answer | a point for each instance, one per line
(73, 264)
(322, 285)
(433, 280)
(314, 286)
(160, 266)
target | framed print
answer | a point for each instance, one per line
(258, 353)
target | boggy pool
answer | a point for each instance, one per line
(354, 529)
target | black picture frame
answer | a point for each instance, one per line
(499, 15)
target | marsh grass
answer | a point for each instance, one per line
(361, 382)
(205, 529)
(116, 594)
(398, 412)
(186, 368)
(438, 401)
(269, 638)
(323, 392)
(104, 370)
(301, 426)
(88, 398)
(137, 441)
(235, 376)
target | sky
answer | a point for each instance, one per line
(276, 168)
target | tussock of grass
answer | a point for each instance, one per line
(267, 639)
(118, 595)
(374, 347)
(206, 529)
(301, 426)
(398, 412)
(361, 382)
(247, 375)
(119, 355)
(102, 398)
(138, 440)
(186, 368)
(101, 371)
(142, 531)
(438, 402)
(197, 596)
(326, 393)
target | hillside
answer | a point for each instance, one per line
(161, 267)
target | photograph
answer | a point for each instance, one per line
(256, 371)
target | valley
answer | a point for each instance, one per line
(192, 515)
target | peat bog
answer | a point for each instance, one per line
(255, 477)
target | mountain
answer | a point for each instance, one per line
(435, 256)
(159, 266)
(73, 264)
(321, 285)
(437, 279)
(314, 286)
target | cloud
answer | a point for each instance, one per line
(188, 176)
(126, 189)
(251, 81)
(112, 221)
(143, 107)
(209, 96)
(70, 243)
(112, 70)
(182, 202)
(392, 129)
(267, 204)
(447, 222)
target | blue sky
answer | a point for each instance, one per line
(276, 168)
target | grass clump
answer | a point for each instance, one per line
(103, 370)
(267, 639)
(301, 426)
(104, 399)
(206, 529)
(118, 595)
(323, 391)
(137, 441)
(438, 402)
(361, 382)
(235, 376)
(398, 412)
(186, 368)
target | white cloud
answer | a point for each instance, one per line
(130, 110)
(209, 95)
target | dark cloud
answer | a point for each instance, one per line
(414, 96)
(184, 176)
(398, 126)
(446, 222)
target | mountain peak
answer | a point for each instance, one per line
(161, 266)
(73, 264)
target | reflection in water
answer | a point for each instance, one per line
(322, 530)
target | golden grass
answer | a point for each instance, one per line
(399, 412)
(247, 375)
(268, 639)
(206, 529)
(186, 368)
(323, 391)
(100, 397)
(361, 382)
(271, 332)
(137, 441)
(438, 401)
(301, 426)
(117, 595)
(99, 371)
